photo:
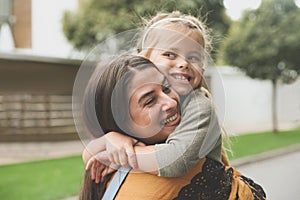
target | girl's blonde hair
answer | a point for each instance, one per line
(186, 23)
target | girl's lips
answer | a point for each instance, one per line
(182, 78)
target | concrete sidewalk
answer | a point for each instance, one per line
(16, 152)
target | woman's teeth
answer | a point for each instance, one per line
(171, 119)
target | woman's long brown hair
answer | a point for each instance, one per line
(118, 72)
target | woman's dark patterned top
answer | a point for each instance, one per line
(215, 183)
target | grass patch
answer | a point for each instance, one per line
(41, 180)
(251, 144)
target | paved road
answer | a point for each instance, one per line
(279, 176)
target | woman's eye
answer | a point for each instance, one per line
(149, 102)
(166, 89)
(170, 55)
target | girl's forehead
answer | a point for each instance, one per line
(183, 43)
(168, 38)
(181, 30)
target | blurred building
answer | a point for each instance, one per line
(244, 104)
(36, 71)
(34, 26)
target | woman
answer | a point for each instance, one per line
(145, 106)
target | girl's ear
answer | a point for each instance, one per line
(202, 70)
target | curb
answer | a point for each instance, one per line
(264, 156)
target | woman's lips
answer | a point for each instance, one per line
(172, 120)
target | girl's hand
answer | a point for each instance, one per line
(100, 167)
(120, 149)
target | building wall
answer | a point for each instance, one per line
(244, 104)
(36, 98)
(47, 30)
(22, 23)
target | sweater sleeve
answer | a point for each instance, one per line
(195, 137)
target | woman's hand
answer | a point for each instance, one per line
(120, 149)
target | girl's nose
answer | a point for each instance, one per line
(182, 63)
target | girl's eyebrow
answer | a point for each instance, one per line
(174, 49)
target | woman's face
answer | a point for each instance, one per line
(180, 58)
(153, 106)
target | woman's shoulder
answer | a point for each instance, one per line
(151, 187)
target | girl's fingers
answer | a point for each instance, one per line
(141, 144)
(111, 159)
(103, 158)
(131, 157)
(89, 164)
(98, 174)
(93, 173)
(116, 158)
(114, 166)
(123, 158)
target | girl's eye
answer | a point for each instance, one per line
(149, 101)
(170, 55)
(194, 59)
(166, 88)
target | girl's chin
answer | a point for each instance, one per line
(183, 90)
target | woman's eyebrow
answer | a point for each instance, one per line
(144, 96)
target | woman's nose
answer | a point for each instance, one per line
(167, 102)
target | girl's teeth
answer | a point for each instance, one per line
(181, 78)
(166, 121)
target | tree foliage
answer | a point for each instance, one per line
(95, 19)
(265, 45)
(265, 42)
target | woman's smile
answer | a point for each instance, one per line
(172, 120)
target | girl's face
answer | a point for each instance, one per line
(180, 59)
(153, 106)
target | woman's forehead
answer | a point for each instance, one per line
(145, 78)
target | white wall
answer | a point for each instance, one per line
(244, 104)
(47, 33)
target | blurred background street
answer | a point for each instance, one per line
(278, 175)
